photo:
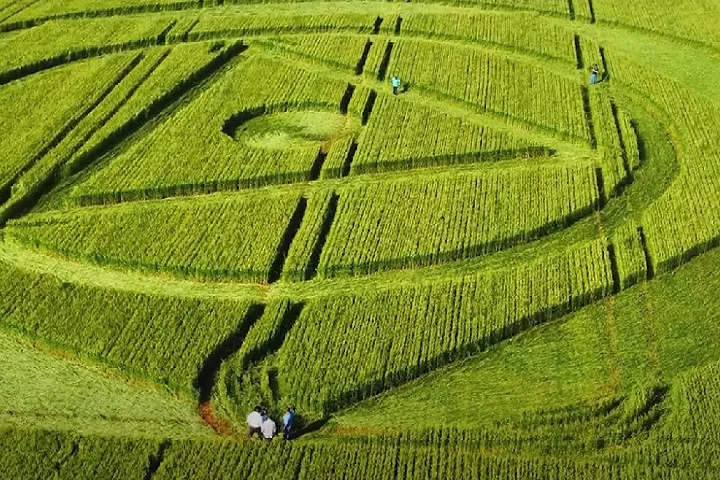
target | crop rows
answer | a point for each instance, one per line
(177, 66)
(304, 254)
(341, 51)
(147, 85)
(608, 142)
(153, 336)
(630, 255)
(233, 237)
(505, 86)
(614, 134)
(571, 428)
(189, 153)
(172, 120)
(423, 222)
(65, 456)
(83, 137)
(10, 8)
(519, 32)
(338, 162)
(77, 9)
(685, 220)
(697, 411)
(240, 25)
(43, 389)
(58, 42)
(548, 6)
(630, 140)
(557, 7)
(237, 389)
(684, 20)
(507, 30)
(62, 155)
(346, 347)
(402, 135)
(41, 110)
(432, 220)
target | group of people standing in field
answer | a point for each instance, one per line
(260, 423)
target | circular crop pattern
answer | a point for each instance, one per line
(286, 130)
(312, 205)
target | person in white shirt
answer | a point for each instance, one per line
(268, 429)
(254, 421)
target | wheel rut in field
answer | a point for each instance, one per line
(156, 459)
(346, 98)
(317, 165)
(360, 66)
(328, 218)
(385, 63)
(588, 116)
(368, 108)
(347, 163)
(652, 348)
(578, 53)
(398, 25)
(286, 240)
(207, 376)
(611, 330)
(646, 253)
(591, 9)
(376, 26)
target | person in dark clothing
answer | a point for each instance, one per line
(288, 421)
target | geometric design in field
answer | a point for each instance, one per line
(268, 106)
(190, 151)
(418, 230)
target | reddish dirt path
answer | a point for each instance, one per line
(220, 426)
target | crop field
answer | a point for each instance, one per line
(506, 267)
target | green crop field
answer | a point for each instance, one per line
(502, 270)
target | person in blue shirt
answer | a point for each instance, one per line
(395, 84)
(594, 74)
(288, 420)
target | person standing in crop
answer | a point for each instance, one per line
(254, 421)
(594, 74)
(395, 84)
(288, 420)
(268, 428)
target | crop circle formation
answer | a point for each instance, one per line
(461, 241)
